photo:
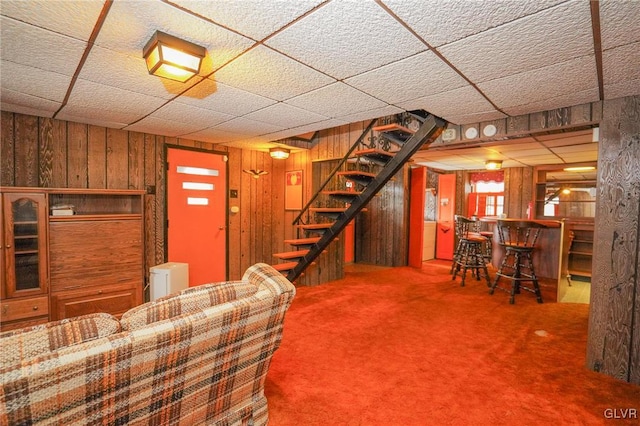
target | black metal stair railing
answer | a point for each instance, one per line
(305, 209)
(429, 130)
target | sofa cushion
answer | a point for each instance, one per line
(27, 343)
(187, 301)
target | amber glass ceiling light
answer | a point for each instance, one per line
(279, 153)
(170, 57)
(493, 164)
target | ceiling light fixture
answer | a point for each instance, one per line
(256, 173)
(173, 58)
(579, 169)
(279, 153)
(493, 164)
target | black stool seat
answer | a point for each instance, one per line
(518, 237)
(469, 253)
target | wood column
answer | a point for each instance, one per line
(613, 345)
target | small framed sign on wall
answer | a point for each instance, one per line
(293, 190)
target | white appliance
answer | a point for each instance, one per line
(168, 278)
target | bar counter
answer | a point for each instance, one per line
(547, 256)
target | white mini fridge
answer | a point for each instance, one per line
(168, 278)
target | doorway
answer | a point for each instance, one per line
(197, 213)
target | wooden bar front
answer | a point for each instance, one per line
(549, 247)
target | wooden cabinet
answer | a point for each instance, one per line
(96, 255)
(580, 251)
(69, 252)
(24, 259)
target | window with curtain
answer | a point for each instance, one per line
(487, 194)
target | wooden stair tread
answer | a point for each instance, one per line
(328, 209)
(291, 254)
(394, 127)
(302, 241)
(316, 226)
(374, 151)
(356, 173)
(343, 193)
(331, 209)
(286, 266)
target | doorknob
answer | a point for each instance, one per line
(221, 227)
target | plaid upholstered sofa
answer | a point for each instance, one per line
(198, 357)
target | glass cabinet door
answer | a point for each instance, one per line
(25, 245)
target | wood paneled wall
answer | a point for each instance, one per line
(614, 321)
(44, 152)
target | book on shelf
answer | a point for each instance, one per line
(63, 210)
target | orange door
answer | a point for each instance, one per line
(196, 212)
(446, 210)
(416, 215)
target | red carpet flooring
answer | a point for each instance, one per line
(404, 346)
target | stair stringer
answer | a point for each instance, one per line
(428, 132)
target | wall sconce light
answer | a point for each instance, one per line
(256, 173)
(279, 153)
(493, 164)
(173, 58)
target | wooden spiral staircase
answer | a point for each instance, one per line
(369, 167)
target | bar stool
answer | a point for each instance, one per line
(488, 242)
(518, 237)
(468, 253)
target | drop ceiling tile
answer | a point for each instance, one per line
(619, 23)
(621, 69)
(554, 35)
(171, 128)
(247, 128)
(456, 102)
(575, 75)
(253, 18)
(438, 166)
(33, 81)
(475, 117)
(345, 38)
(267, 73)
(443, 22)
(39, 48)
(336, 100)
(528, 159)
(223, 98)
(111, 68)
(583, 148)
(300, 130)
(285, 116)
(370, 114)
(579, 98)
(93, 120)
(88, 99)
(199, 118)
(23, 103)
(537, 162)
(214, 135)
(417, 76)
(620, 90)
(580, 157)
(130, 24)
(516, 145)
(69, 17)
